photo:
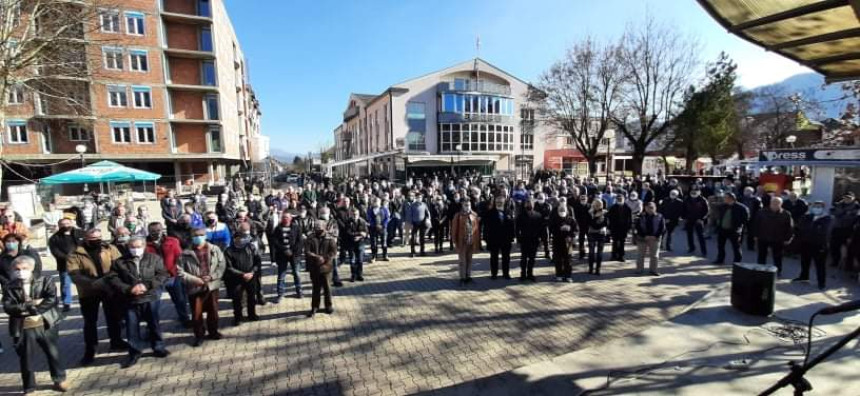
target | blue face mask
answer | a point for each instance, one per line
(817, 211)
(11, 245)
(197, 240)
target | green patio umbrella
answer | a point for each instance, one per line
(101, 172)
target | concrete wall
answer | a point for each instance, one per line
(225, 39)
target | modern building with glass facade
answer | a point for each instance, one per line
(472, 116)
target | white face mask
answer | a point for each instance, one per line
(324, 216)
(24, 274)
(136, 252)
(562, 213)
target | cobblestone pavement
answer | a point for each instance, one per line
(408, 328)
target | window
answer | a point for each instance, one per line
(109, 21)
(204, 8)
(142, 97)
(117, 96)
(417, 119)
(78, 134)
(145, 132)
(134, 23)
(45, 138)
(527, 141)
(214, 140)
(210, 103)
(139, 60)
(208, 74)
(113, 58)
(206, 39)
(121, 132)
(16, 95)
(41, 104)
(17, 132)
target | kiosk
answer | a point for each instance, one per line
(834, 171)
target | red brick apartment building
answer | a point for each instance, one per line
(170, 95)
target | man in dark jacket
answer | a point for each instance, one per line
(137, 280)
(695, 214)
(355, 235)
(31, 303)
(545, 209)
(753, 203)
(620, 218)
(499, 231)
(774, 230)
(170, 249)
(529, 225)
(732, 218)
(649, 229)
(285, 237)
(243, 264)
(62, 243)
(813, 234)
(672, 208)
(562, 227)
(320, 250)
(844, 218)
(580, 211)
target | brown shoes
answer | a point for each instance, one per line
(61, 386)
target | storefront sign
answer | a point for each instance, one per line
(810, 155)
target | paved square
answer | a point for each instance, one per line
(408, 328)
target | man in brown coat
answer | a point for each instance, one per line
(466, 234)
(320, 250)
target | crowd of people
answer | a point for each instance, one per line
(325, 229)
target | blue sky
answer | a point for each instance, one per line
(306, 56)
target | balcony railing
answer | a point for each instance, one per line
(445, 117)
(475, 86)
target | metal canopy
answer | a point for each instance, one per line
(823, 35)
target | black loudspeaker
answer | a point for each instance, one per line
(753, 288)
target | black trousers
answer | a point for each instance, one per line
(544, 240)
(321, 288)
(26, 346)
(438, 237)
(505, 251)
(420, 232)
(595, 251)
(818, 254)
(618, 240)
(732, 237)
(775, 248)
(838, 237)
(249, 289)
(582, 243)
(527, 261)
(90, 311)
(561, 258)
(750, 239)
(670, 229)
(698, 228)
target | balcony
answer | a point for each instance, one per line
(446, 117)
(186, 18)
(350, 113)
(189, 54)
(474, 86)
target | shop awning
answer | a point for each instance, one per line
(823, 35)
(101, 172)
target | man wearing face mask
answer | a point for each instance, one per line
(217, 233)
(529, 225)
(137, 281)
(305, 222)
(649, 229)
(671, 208)
(620, 218)
(356, 232)
(377, 224)
(845, 214)
(545, 209)
(466, 234)
(774, 229)
(563, 227)
(395, 225)
(201, 268)
(121, 239)
(439, 222)
(731, 219)
(500, 230)
(454, 207)
(813, 234)
(169, 249)
(754, 204)
(333, 229)
(89, 266)
(30, 300)
(15, 246)
(285, 238)
(580, 211)
(243, 266)
(171, 213)
(61, 244)
(320, 250)
(417, 214)
(695, 214)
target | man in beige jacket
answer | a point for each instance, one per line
(466, 234)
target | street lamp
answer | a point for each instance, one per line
(459, 148)
(609, 134)
(790, 139)
(81, 149)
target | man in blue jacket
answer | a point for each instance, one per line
(377, 222)
(217, 233)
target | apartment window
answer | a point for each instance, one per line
(134, 22)
(215, 140)
(117, 96)
(416, 116)
(206, 39)
(475, 137)
(78, 134)
(139, 60)
(16, 95)
(527, 141)
(113, 58)
(208, 74)
(204, 8)
(211, 105)
(120, 132)
(41, 104)
(109, 21)
(142, 97)
(145, 132)
(17, 131)
(45, 135)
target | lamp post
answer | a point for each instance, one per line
(609, 134)
(459, 148)
(81, 149)
(790, 139)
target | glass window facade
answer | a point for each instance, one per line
(416, 116)
(208, 74)
(477, 104)
(211, 102)
(206, 39)
(476, 137)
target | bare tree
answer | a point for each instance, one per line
(659, 64)
(582, 95)
(46, 56)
